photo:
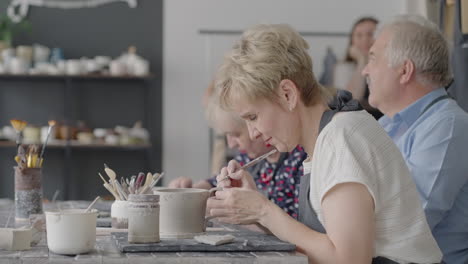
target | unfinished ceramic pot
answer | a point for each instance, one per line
(72, 231)
(182, 212)
(143, 218)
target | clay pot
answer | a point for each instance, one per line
(71, 231)
(182, 212)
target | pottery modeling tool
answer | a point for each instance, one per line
(139, 181)
(55, 198)
(157, 179)
(32, 157)
(92, 204)
(109, 187)
(9, 217)
(149, 178)
(154, 181)
(112, 175)
(121, 191)
(56, 193)
(51, 125)
(20, 158)
(253, 162)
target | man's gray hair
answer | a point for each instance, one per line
(417, 39)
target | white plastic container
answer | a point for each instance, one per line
(119, 214)
(71, 231)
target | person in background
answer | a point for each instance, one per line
(277, 177)
(357, 201)
(407, 71)
(347, 75)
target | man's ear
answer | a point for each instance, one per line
(407, 71)
(289, 94)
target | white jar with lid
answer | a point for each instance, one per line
(143, 218)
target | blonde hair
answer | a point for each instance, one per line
(214, 113)
(265, 55)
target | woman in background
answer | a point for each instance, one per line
(347, 74)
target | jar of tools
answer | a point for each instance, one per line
(28, 183)
(143, 218)
(28, 192)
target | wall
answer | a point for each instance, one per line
(190, 58)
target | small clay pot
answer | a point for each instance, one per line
(182, 212)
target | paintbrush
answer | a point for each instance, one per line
(51, 125)
(253, 162)
(19, 126)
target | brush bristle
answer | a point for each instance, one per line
(18, 125)
(52, 123)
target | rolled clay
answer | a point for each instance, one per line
(214, 240)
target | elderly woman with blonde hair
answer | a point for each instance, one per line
(357, 201)
(277, 177)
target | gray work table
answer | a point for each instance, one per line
(107, 252)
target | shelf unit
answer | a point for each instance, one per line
(69, 84)
(74, 144)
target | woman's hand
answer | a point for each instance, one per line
(358, 55)
(233, 176)
(181, 182)
(239, 206)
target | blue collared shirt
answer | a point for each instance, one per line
(434, 145)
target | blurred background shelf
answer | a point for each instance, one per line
(73, 77)
(102, 101)
(78, 145)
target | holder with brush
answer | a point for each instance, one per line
(28, 174)
(122, 190)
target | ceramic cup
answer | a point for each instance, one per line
(71, 231)
(73, 67)
(7, 55)
(41, 53)
(18, 66)
(25, 53)
(140, 68)
(182, 211)
(117, 68)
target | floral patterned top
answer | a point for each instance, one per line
(278, 181)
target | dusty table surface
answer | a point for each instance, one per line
(106, 251)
